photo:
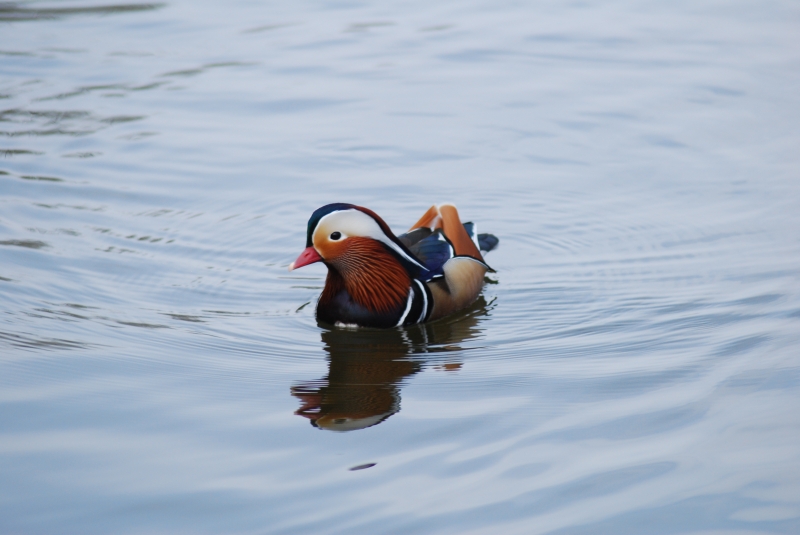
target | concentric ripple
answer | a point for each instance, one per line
(630, 368)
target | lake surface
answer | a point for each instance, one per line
(632, 367)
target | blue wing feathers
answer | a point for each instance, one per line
(410, 238)
(433, 250)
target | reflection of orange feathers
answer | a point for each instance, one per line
(371, 275)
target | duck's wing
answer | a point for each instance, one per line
(412, 237)
(430, 247)
(433, 248)
(451, 251)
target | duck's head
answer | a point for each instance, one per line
(343, 235)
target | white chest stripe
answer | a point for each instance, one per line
(424, 301)
(408, 307)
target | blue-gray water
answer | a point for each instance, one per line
(632, 368)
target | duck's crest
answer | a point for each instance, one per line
(321, 212)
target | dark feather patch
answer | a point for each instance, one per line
(430, 247)
(469, 226)
(410, 238)
(487, 242)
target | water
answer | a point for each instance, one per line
(631, 368)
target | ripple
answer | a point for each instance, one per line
(42, 178)
(26, 341)
(631, 363)
(29, 244)
(19, 152)
(11, 12)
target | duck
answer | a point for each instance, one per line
(381, 280)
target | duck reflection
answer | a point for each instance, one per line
(367, 366)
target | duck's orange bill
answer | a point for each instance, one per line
(309, 256)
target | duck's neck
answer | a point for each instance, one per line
(372, 276)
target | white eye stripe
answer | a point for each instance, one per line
(402, 253)
(357, 223)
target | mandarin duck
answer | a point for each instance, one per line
(377, 279)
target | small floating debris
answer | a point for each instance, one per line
(42, 178)
(81, 154)
(362, 466)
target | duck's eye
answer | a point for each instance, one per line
(336, 235)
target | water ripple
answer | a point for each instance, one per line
(631, 363)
